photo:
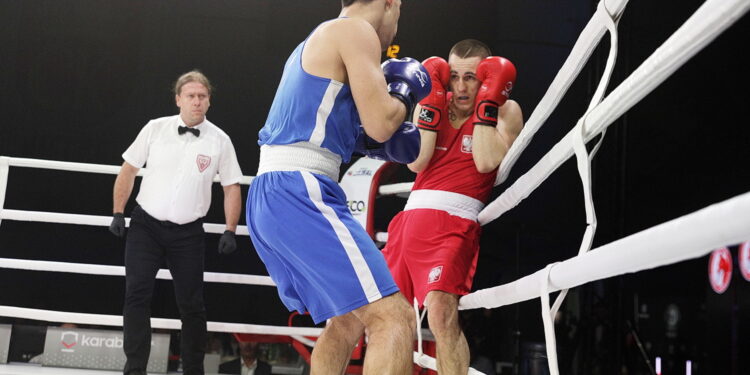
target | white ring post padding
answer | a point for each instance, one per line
(690, 236)
(98, 269)
(395, 189)
(116, 321)
(579, 55)
(86, 167)
(101, 221)
(713, 17)
(381, 236)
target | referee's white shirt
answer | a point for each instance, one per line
(180, 169)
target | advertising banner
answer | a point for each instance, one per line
(98, 349)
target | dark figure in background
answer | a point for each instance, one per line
(248, 362)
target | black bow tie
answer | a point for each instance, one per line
(182, 129)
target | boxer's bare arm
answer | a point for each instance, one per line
(490, 144)
(426, 148)
(380, 113)
(348, 50)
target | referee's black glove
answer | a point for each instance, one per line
(227, 243)
(117, 227)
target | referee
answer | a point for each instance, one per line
(183, 153)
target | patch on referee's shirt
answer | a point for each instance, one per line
(203, 162)
(435, 273)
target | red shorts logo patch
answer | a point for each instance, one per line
(435, 273)
(203, 162)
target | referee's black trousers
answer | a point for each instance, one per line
(149, 242)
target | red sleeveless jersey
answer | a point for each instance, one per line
(452, 166)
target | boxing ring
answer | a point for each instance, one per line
(688, 237)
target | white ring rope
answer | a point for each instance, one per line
(688, 237)
(97, 269)
(583, 159)
(548, 317)
(116, 321)
(63, 218)
(93, 220)
(83, 167)
(94, 269)
(419, 357)
(713, 17)
(579, 55)
(4, 167)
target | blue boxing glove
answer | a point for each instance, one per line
(408, 81)
(402, 147)
(366, 146)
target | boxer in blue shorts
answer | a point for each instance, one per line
(334, 99)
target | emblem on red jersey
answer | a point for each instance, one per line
(203, 162)
(466, 144)
(435, 273)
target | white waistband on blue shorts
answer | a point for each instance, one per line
(302, 156)
(452, 203)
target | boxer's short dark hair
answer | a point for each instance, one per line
(470, 48)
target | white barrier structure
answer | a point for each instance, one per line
(95, 269)
(297, 333)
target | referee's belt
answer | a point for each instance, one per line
(164, 223)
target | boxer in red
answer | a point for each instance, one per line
(467, 125)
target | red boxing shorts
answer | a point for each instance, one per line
(432, 250)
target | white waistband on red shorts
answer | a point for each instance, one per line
(452, 203)
(302, 156)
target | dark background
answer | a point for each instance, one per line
(80, 78)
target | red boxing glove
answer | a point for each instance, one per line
(435, 105)
(497, 75)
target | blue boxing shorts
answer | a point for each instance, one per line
(319, 256)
